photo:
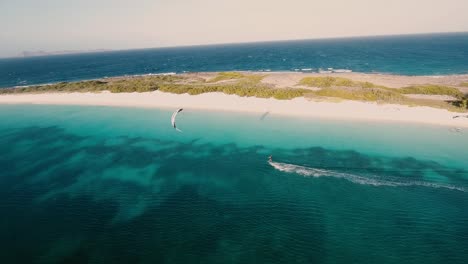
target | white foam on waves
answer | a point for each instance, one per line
(373, 180)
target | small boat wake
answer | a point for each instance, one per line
(373, 180)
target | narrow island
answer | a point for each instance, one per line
(419, 99)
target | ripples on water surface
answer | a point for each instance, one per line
(116, 185)
(436, 54)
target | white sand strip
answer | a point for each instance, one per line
(344, 110)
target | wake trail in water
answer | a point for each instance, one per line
(373, 180)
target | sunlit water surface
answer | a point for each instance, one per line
(120, 185)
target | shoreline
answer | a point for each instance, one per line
(355, 75)
(300, 107)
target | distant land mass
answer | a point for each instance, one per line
(59, 52)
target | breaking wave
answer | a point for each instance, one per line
(373, 180)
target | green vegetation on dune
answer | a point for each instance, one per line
(464, 84)
(370, 94)
(343, 88)
(463, 103)
(240, 90)
(351, 90)
(141, 84)
(223, 76)
(250, 85)
(431, 90)
(237, 76)
(247, 86)
(384, 96)
(327, 82)
(118, 85)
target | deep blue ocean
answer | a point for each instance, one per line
(120, 185)
(436, 54)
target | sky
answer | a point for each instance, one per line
(53, 25)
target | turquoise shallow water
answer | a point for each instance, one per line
(119, 185)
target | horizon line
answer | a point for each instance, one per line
(104, 50)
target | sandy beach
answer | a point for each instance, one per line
(343, 110)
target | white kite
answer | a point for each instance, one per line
(174, 117)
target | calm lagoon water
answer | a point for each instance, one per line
(119, 185)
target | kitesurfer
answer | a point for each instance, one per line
(174, 117)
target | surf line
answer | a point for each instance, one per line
(365, 180)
